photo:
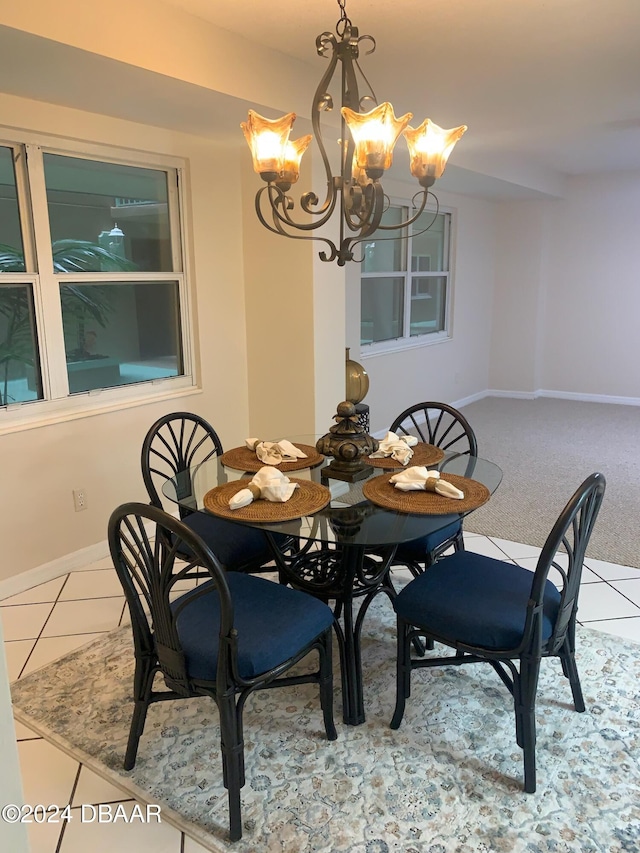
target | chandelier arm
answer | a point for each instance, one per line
(321, 100)
(406, 222)
(280, 204)
(277, 228)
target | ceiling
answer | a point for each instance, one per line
(557, 81)
(547, 87)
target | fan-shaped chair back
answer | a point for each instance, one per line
(174, 443)
(438, 424)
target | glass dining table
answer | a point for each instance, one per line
(344, 550)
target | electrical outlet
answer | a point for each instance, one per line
(79, 499)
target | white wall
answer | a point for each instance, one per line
(591, 341)
(454, 369)
(567, 295)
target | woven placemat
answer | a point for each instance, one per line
(243, 459)
(423, 454)
(308, 498)
(382, 493)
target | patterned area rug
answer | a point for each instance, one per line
(448, 781)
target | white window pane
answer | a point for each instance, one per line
(382, 309)
(107, 217)
(121, 333)
(428, 304)
(20, 379)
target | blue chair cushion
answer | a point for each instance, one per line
(235, 545)
(475, 600)
(274, 623)
(417, 549)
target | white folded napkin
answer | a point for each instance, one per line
(417, 477)
(268, 483)
(398, 447)
(275, 452)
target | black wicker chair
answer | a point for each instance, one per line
(177, 442)
(445, 427)
(496, 612)
(232, 635)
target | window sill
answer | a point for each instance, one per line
(403, 344)
(32, 415)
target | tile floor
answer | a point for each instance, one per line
(54, 618)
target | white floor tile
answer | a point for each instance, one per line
(120, 836)
(629, 628)
(43, 837)
(516, 550)
(611, 571)
(93, 789)
(531, 562)
(630, 588)
(48, 774)
(24, 732)
(44, 592)
(24, 621)
(17, 653)
(84, 617)
(48, 649)
(99, 584)
(192, 846)
(601, 601)
(484, 545)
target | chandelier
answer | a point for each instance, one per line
(366, 153)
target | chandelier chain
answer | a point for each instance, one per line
(345, 22)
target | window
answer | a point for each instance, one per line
(404, 292)
(92, 290)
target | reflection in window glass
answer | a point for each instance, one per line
(20, 378)
(121, 333)
(383, 252)
(11, 247)
(427, 304)
(382, 307)
(106, 217)
(428, 248)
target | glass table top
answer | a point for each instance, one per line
(349, 518)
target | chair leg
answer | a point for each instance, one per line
(232, 748)
(326, 685)
(403, 673)
(525, 687)
(143, 681)
(569, 668)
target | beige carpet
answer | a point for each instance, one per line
(546, 448)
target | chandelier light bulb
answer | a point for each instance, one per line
(293, 152)
(429, 149)
(375, 133)
(267, 140)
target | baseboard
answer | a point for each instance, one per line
(60, 566)
(590, 398)
(560, 395)
(54, 569)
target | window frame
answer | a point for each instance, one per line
(58, 404)
(408, 341)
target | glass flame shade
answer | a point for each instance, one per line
(375, 133)
(429, 149)
(268, 141)
(292, 155)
